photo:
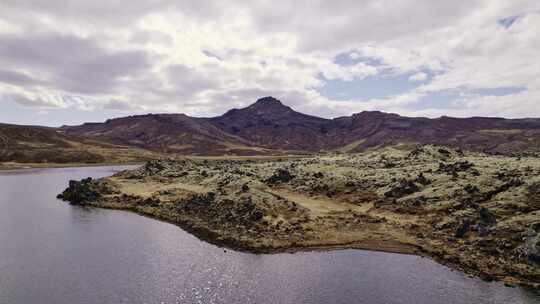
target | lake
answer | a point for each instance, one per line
(52, 252)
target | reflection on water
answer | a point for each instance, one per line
(51, 252)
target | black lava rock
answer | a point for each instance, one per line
(404, 187)
(280, 176)
(80, 192)
(463, 228)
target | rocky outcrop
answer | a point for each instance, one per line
(530, 248)
(280, 176)
(454, 168)
(85, 191)
(404, 187)
(217, 209)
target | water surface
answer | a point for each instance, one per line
(52, 252)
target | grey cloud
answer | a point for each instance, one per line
(25, 101)
(101, 74)
(105, 9)
(181, 86)
(322, 25)
(118, 105)
(212, 55)
(17, 78)
(142, 37)
(73, 64)
(188, 81)
(36, 54)
(241, 97)
(103, 12)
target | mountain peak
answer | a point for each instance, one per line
(266, 106)
(268, 102)
(375, 115)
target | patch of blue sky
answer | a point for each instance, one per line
(345, 59)
(385, 84)
(447, 99)
(388, 83)
(500, 91)
(454, 99)
(509, 21)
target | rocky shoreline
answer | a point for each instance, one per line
(479, 213)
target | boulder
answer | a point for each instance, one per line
(530, 248)
(463, 228)
(487, 217)
(280, 176)
(404, 187)
(421, 179)
(454, 168)
(84, 191)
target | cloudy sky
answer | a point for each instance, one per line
(66, 62)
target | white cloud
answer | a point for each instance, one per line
(202, 57)
(418, 77)
(354, 56)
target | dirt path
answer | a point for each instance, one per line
(397, 218)
(319, 206)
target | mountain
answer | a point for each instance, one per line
(169, 133)
(35, 144)
(268, 123)
(490, 135)
(265, 127)
(269, 127)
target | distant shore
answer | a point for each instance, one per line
(16, 166)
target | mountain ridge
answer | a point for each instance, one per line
(269, 124)
(270, 127)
